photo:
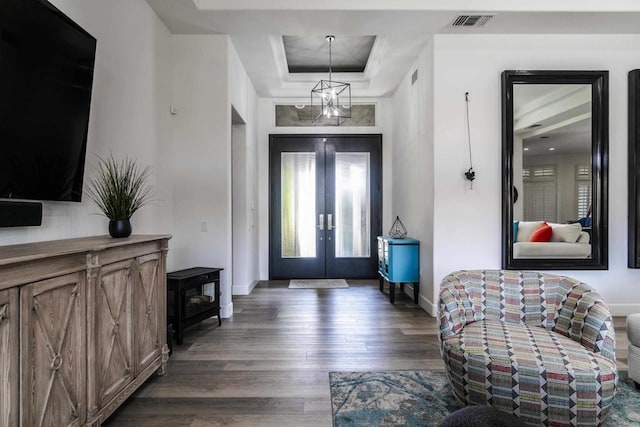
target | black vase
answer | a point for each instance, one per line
(119, 228)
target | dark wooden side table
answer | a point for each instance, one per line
(186, 302)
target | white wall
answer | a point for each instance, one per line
(141, 71)
(129, 112)
(239, 207)
(412, 160)
(208, 81)
(201, 153)
(467, 222)
(244, 190)
(141, 67)
(266, 119)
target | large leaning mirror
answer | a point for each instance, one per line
(554, 186)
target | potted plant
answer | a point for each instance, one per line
(119, 188)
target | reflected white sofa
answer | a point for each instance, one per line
(567, 241)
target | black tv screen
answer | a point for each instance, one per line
(46, 74)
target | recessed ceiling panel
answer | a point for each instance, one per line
(310, 54)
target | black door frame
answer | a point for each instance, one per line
(342, 264)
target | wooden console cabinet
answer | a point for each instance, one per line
(9, 340)
(82, 326)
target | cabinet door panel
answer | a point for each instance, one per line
(9, 354)
(113, 330)
(148, 310)
(53, 358)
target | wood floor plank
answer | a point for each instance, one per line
(212, 406)
(269, 364)
(297, 383)
(331, 364)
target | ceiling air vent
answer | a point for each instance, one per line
(471, 20)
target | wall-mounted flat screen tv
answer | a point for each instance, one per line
(46, 74)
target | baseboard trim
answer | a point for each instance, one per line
(244, 290)
(428, 306)
(226, 311)
(623, 309)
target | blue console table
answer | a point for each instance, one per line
(399, 262)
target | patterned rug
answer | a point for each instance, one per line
(318, 284)
(424, 398)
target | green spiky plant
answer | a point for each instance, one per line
(120, 187)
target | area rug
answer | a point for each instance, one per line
(424, 398)
(318, 284)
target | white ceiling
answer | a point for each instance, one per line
(402, 28)
(306, 53)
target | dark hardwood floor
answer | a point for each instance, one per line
(268, 365)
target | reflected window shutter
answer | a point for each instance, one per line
(583, 189)
(584, 198)
(540, 193)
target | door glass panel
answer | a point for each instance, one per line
(352, 214)
(298, 193)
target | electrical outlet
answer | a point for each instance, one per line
(204, 226)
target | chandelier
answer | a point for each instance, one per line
(332, 99)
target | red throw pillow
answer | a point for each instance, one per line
(542, 233)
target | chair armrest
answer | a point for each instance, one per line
(451, 309)
(598, 324)
(585, 318)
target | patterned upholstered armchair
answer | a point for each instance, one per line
(537, 345)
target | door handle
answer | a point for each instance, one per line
(330, 222)
(321, 222)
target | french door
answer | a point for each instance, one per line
(325, 206)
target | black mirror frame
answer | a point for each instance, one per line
(634, 172)
(599, 81)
